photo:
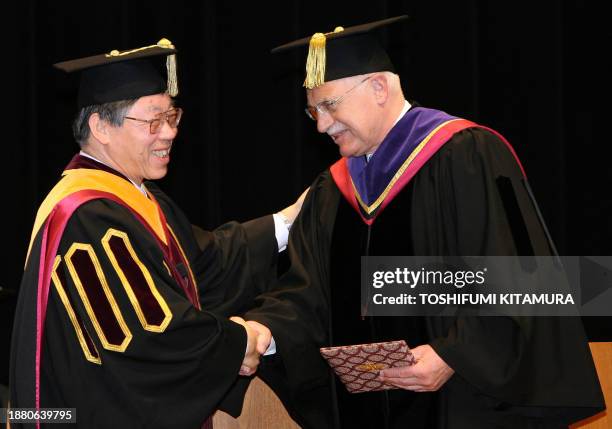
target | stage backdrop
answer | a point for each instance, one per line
(531, 70)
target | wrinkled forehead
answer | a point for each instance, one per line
(154, 104)
(330, 89)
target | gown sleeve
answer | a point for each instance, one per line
(232, 263)
(296, 310)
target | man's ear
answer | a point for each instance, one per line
(381, 88)
(99, 128)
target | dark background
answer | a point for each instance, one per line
(534, 71)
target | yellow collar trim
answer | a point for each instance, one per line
(97, 180)
(369, 209)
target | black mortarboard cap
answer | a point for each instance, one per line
(123, 75)
(344, 52)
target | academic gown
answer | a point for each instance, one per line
(469, 198)
(135, 333)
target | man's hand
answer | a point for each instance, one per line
(293, 210)
(251, 356)
(428, 374)
(264, 338)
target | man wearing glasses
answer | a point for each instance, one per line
(415, 182)
(115, 322)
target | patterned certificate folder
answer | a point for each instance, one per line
(358, 365)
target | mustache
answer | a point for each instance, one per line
(335, 129)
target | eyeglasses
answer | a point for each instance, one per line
(329, 106)
(172, 117)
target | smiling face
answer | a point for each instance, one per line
(354, 124)
(133, 150)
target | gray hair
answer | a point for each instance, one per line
(112, 112)
(395, 86)
(393, 81)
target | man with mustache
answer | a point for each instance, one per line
(413, 181)
(122, 313)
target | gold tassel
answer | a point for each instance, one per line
(172, 77)
(170, 68)
(315, 63)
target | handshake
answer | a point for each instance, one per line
(258, 341)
